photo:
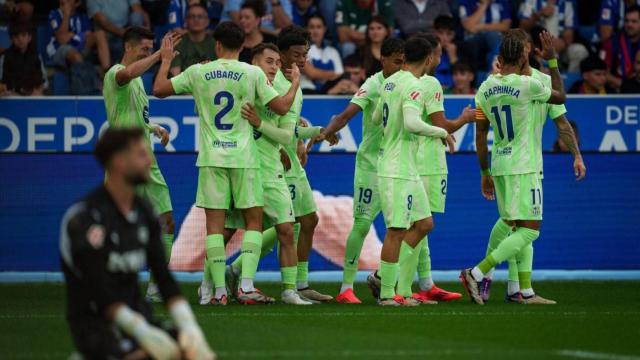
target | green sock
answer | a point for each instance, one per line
(269, 239)
(512, 245)
(499, 232)
(408, 261)
(250, 249)
(355, 241)
(214, 245)
(513, 269)
(289, 277)
(302, 278)
(206, 272)
(525, 266)
(424, 260)
(388, 273)
(167, 239)
(487, 264)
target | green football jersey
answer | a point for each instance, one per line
(127, 105)
(432, 154)
(220, 89)
(282, 85)
(540, 110)
(399, 147)
(268, 149)
(505, 100)
(366, 98)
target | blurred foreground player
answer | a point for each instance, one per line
(106, 239)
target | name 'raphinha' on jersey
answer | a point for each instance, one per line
(498, 90)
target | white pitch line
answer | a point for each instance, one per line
(581, 354)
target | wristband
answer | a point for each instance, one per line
(553, 63)
(485, 172)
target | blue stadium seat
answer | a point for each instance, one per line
(160, 31)
(61, 83)
(480, 77)
(5, 40)
(43, 35)
(147, 80)
(570, 79)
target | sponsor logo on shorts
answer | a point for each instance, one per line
(225, 144)
(536, 210)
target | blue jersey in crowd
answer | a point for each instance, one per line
(78, 25)
(498, 10)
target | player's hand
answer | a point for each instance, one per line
(158, 344)
(301, 151)
(315, 140)
(162, 134)
(548, 51)
(193, 344)
(303, 122)
(293, 73)
(249, 114)
(468, 114)
(450, 142)
(487, 187)
(579, 169)
(167, 52)
(284, 159)
(332, 138)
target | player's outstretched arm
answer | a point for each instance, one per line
(281, 104)
(162, 86)
(136, 69)
(438, 119)
(336, 124)
(414, 124)
(282, 134)
(568, 137)
(482, 151)
(548, 52)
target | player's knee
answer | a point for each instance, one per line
(424, 226)
(228, 234)
(309, 222)
(285, 236)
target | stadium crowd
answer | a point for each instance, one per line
(64, 47)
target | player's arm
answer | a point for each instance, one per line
(482, 151)
(548, 52)
(414, 124)
(162, 86)
(336, 124)
(281, 104)
(467, 116)
(282, 134)
(568, 137)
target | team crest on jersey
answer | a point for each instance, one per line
(143, 234)
(95, 235)
(414, 95)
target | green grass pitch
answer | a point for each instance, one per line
(593, 320)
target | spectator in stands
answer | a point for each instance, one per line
(302, 11)
(323, 61)
(483, 22)
(560, 19)
(251, 13)
(21, 68)
(352, 17)
(327, 9)
(631, 85)
(277, 14)
(197, 45)
(612, 16)
(17, 10)
(594, 78)
(445, 29)
(620, 50)
(463, 77)
(377, 32)
(72, 38)
(114, 16)
(412, 16)
(559, 145)
(351, 80)
(177, 12)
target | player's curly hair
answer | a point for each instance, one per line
(392, 46)
(417, 49)
(293, 35)
(512, 46)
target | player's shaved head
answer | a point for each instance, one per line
(229, 35)
(417, 49)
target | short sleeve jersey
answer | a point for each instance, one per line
(505, 100)
(282, 85)
(540, 111)
(127, 105)
(399, 147)
(432, 154)
(220, 89)
(367, 98)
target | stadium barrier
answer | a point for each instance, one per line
(46, 165)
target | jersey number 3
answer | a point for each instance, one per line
(506, 109)
(217, 100)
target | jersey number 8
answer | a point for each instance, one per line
(217, 100)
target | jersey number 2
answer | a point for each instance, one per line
(217, 100)
(506, 109)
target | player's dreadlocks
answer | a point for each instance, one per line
(512, 47)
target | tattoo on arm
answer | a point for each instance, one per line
(569, 138)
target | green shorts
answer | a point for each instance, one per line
(519, 197)
(278, 208)
(156, 192)
(366, 199)
(301, 196)
(403, 202)
(218, 187)
(436, 188)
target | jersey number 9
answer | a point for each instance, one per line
(217, 100)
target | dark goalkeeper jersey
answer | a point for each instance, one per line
(102, 252)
